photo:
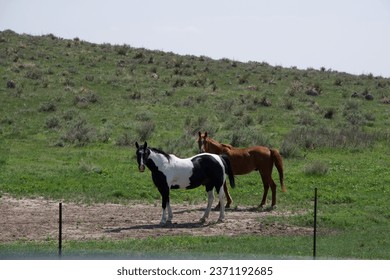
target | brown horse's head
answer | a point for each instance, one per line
(202, 142)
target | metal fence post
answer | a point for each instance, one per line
(315, 226)
(60, 231)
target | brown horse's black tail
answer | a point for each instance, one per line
(277, 159)
(228, 169)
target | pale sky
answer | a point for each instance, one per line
(345, 35)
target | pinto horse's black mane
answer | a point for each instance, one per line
(161, 152)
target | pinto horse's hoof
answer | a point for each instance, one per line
(220, 221)
(202, 220)
(166, 224)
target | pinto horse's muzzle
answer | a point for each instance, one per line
(141, 168)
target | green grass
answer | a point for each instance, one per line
(334, 246)
(67, 131)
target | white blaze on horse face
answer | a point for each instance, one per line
(203, 145)
(141, 164)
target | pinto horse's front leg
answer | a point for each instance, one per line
(164, 219)
(170, 215)
(229, 199)
(210, 200)
(166, 204)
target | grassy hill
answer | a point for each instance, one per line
(72, 110)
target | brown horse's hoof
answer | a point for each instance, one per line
(268, 209)
(263, 208)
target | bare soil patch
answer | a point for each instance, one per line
(37, 219)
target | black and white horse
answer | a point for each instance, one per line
(171, 172)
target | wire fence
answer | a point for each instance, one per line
(39, 220)
(39, 227)
(55, 222)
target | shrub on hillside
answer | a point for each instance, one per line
(288, 104)
(34, 74)
(329, 113)
(289, 150)
(125, 139)
(306, 119)
(80, 133)
(246, 137)
(47, 107)
(311, 138)
(145, 130)
(178, 83)
(86, 98)
(295, 88)
(316, 168)
(52, 123)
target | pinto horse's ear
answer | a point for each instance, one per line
(200, 134)
(205, 134)
(145, 145)
(136, 145)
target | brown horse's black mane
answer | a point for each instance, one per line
(227, 145)
(161, 152)
(221, 144)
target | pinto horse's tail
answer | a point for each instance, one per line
(277, 159)
(228, 169)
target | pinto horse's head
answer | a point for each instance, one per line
(142, 155)
(202, 142)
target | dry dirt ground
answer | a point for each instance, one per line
(37, 219)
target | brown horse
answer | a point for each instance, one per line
(246, 160)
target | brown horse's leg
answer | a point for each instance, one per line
(273, 189)
(229, 199)
(265, 193)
